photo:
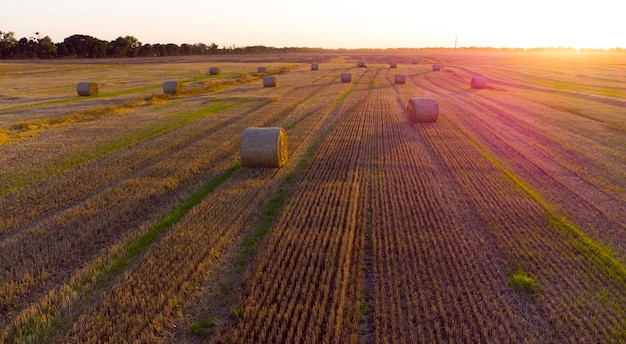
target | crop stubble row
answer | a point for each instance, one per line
(419, 218)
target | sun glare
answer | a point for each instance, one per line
(331, 24)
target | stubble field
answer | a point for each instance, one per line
(127, 217)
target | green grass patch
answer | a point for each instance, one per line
(203, 328)
(523, 282)
(364, 309)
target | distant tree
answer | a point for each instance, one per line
(214, 48)
(127, 46)
(85, 46)
(46, 48)
(171, 49)
(200, 49)
(146, 50)
(185, 49)
(26, 48)
(8, 43)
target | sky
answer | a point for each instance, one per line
(328, 24)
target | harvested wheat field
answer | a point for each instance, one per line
(127, 216)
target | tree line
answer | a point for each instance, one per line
(84, 46)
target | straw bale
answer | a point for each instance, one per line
(264, 147)
(423, 110)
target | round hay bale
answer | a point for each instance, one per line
(214, 71)
(346, 77)
(361, 64)
(314, 66)
(437, 67)
(423, 110)
(478, 82)
(172, 87)
(87, 89)
(260, 70)
(264, 147)
(393, 64)
(400, 79)
(270, 81)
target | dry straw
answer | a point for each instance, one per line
(172, 87)
(87, 89)
(346, 77)
(264, 147)
(478, 82)
(423, 110)
(214, 71)
(437, 67)
(400, 79)
(270, 81)
(314, 66)
(260, 70)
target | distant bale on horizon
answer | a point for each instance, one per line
(437, 67)
(87, 89)
(172, 87)
(400, 79)
(423, 110)
(361, 64)
(478, 82)
(214, 71)
(314, 66)
(260, 70)
(270, 81)
(393, 64)
(346, 77)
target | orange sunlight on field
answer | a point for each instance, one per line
(435, 195)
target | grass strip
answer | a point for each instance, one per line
(243, 79)
(139, 245)
(602, 255)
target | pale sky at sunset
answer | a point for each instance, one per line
(326, 23)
